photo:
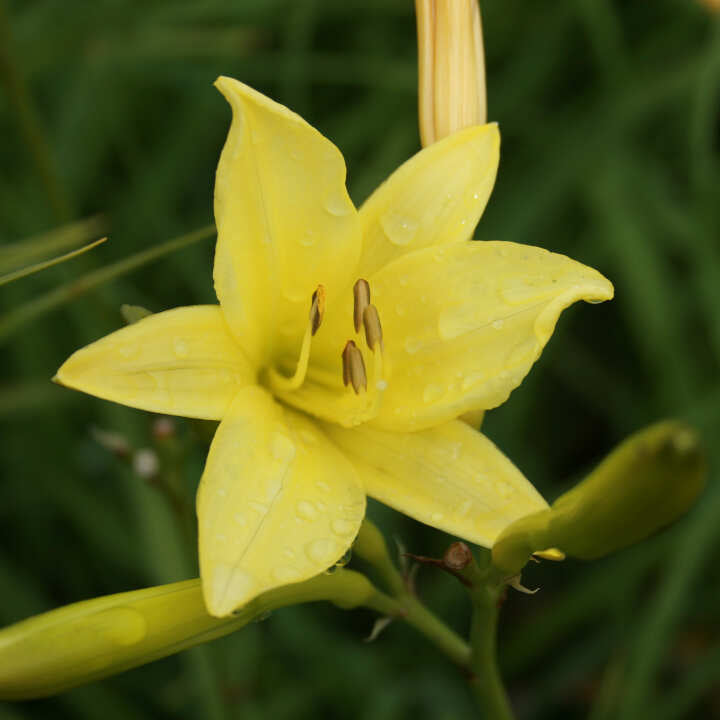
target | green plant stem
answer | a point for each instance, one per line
(414, 613)
(370, 545)
(485, 680)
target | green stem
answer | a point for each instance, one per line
(370, 546)
(485, 681)
(414, 613)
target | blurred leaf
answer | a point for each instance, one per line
(17, 318)
(31, 269)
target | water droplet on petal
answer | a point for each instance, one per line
(283, 448)
(498, 324)
(286, 574)
(436, 517)
(306, 510)
(412, 345)
(400, 230)
(307, 239)
(181, 348)
(343, 527)
(337, 204)
(321, 485)
(321, 550)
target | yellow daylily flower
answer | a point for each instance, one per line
(344, 347)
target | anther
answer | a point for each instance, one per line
(354, 367)
(361, 293)
(373, 329)
(317, 309)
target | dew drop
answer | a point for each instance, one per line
(322, 485)
(400, 310)
(289, 553)
(181, 348)
(285, 573)
(342, 527)
(345, 559)
(336, 204)
(400, 230)
(476, 196)
(283, 448)
(307, 239)
(381, 385)
(321, 550)
(240, 519)
(436, 517)
(412, 345)
(595, 302)
(258, 507)
(124, 626)
(127, 350)
(497, 324)
(432, 392)
(306, 510)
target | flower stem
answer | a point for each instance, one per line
(370, 546)
(485, 681)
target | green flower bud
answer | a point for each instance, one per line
(90, 640)
(646, 483)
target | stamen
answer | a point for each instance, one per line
(354, 367)
(373, 329)
(317, 310)
(361, 293)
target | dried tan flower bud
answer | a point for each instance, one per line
(451, 67)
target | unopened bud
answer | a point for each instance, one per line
(451, 67)
(646, 483)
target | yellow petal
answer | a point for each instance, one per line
(278, 502)
(464, 323)
(436, 197)
(181, 362)
(285, 223)
(450, 476)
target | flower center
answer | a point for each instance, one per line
(354, 373)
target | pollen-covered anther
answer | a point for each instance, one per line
(354, 367)
(317, 308)
(373, 329)
(361, 294)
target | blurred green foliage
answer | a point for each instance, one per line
(609, 115)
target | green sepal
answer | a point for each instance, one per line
(646, 483)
